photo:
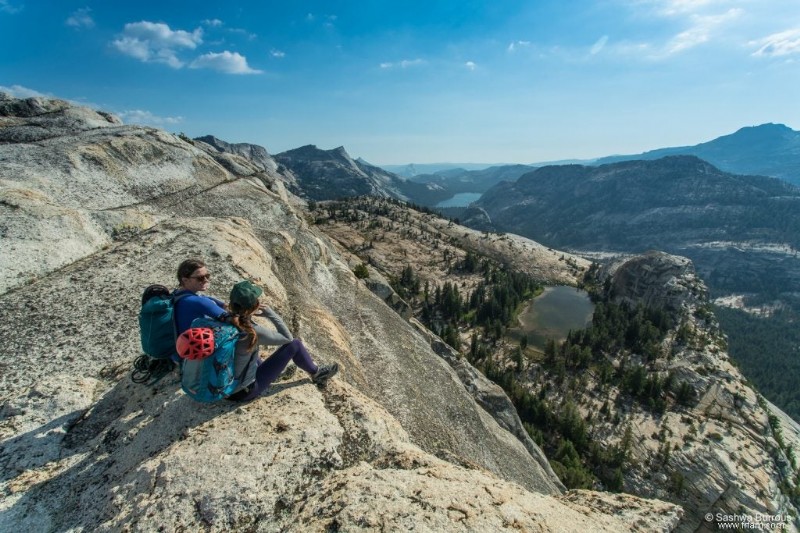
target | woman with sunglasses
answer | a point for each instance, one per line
(193, 277)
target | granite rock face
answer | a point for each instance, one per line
(658, 280)
(253, 152)
(92, 214)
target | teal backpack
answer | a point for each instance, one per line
(212, 378)
(157, 327)
(157, 332)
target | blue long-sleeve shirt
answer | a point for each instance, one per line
(195, 306)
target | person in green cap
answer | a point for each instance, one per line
(258, 376)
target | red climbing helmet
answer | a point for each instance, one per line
(195, 343)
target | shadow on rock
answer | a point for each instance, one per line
(128, 425)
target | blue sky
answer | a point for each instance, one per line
(398, 82)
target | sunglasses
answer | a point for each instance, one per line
(204, 277)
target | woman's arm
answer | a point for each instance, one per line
(283, 329)
(268, 337)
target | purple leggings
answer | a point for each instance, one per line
(269, 370)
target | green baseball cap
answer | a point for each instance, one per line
(245, 294)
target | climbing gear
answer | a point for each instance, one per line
(195, 343)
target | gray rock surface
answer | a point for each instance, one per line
(82, 448)
(258, 155)
(656, 279)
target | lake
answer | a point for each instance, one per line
(462, 199)
(553, 314)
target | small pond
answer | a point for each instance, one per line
(553, 314)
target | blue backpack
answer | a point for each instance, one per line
(212, 378)
(157, 331)
(157, 327)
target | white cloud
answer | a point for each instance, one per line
(325, 20)
(213, 23)
(277, 53)
(138, 116)
(227, 62)
(155, 42)
(411, 63)
(779, 44)
(6, 7)
(599, 45)
(405, 63)
(81, 19)
(18, 91)
(245, 33)
(681, 7)
(515, 45)
(471, 65)
(702, 30)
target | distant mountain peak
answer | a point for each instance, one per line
(768, 126)
(768, 149)
(341, 151)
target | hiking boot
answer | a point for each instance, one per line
(324, 373)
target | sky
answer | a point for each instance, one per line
(418, 81)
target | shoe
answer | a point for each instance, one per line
(324, 373)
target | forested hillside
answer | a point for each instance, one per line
(768, 352)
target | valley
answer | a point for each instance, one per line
(644, 400)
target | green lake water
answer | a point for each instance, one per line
(553, 314)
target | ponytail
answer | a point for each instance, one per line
(241, 319)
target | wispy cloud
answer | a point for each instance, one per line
(7, 7)
(471, 65)
(516, 45)
(326, 20)
(701, 30)
(213, 23)
(244, 33)
(81, 18)
(155, 42)
(599, 45)
(277, 53)
(138, 116)
(227, 62)
(18, 91)
(681, 7)
(784, 43)
(405, 63)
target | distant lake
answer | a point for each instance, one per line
(553, 314)
(462, 199)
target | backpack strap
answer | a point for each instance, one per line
(176, 297)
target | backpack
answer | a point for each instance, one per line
(212, 378)
(157, 327)
(157, 331)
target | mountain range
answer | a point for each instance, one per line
(741, 231)
(765, 150)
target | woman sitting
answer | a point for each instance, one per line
(258, 376)
(194, 277)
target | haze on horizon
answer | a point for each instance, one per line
(418, 82)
